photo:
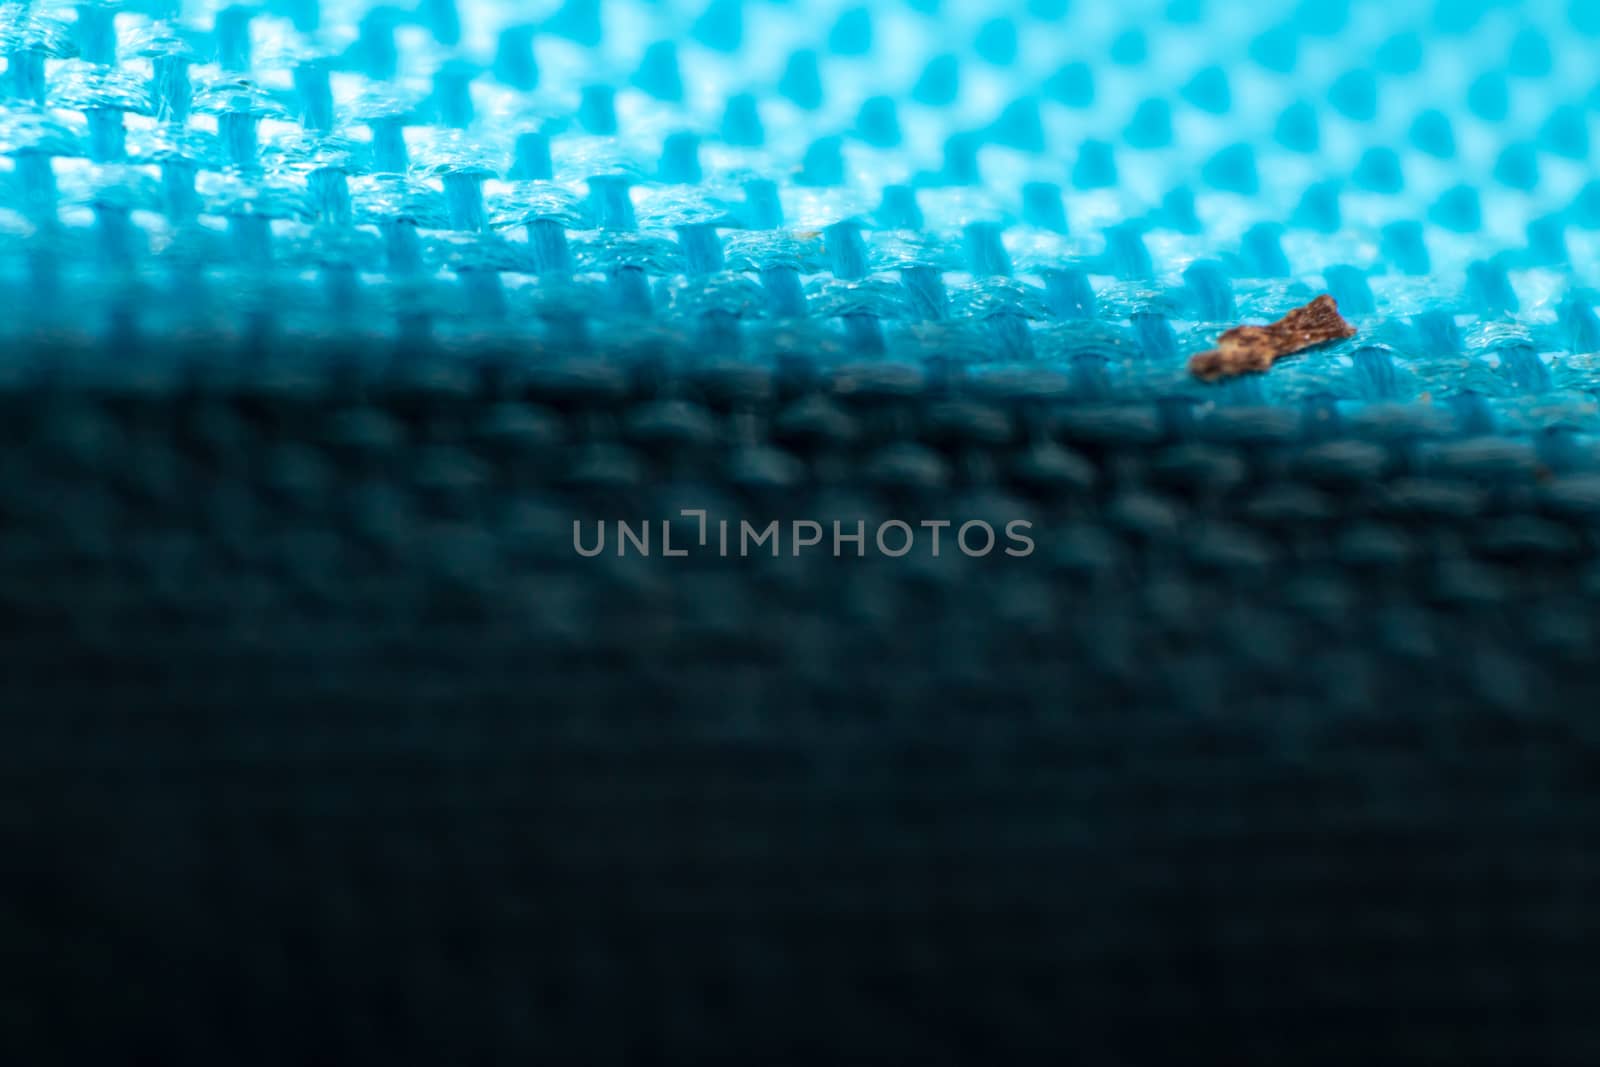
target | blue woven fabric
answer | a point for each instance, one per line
(1089, 188)
(325, 320)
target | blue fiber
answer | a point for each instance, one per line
(658, 72)
(1547, 241)
(1126, 254)
(1208, 91)
(27, 74)
(1262, 253)
(1349, 289)
(719, 332)
(1488, 287)
(1089, 377)
(401, 247)
(452, 94)
(1157, 340)
(1431, 133)
(852, 33)
(877, 123)
(847, 251)
(1522, 367)
(925, 287)
(741, 122)
(116, 235)
(36, 180)
(441, 18)
(1068, 294)
(316, 96)
(1042, 206)
(1354, 94)
(1399, 54)
(463, 198)
(1129, 49)
(1457, 209)
(96, 34)
(986, 252)
(1580, 325)
(1185, 12)
(823, 163)
(1401, 242)
(1151, 126)
(1072, 85)
(330, 196)
(1297, 128)
(1013, 339)
(531, 159)
(342, 287)
(898, 210)
(1473, 415)
(761, 200)
(996, 42)
(609, 202)
(721, 25)
(1373, 374)
(375, 51)
(178, 198)
(940, 82)
(172, 90)
(514, 62)
(1379, 171)
(701, 247)
(1178, 211)
(304, 15)
(786, 299)
(630, 290)
(1096, 166)
(1518, 167)
(597, 110)
(107, 138)
(1437, 333)
(680, 158)
(238, 132)
(1276, 49)
(547, 242)
(1318, 208)
(1530, 54)
(801, 82)
(1233, 169)
(1019, 126)
(863, 332)
(577, 20)
(1489, 97)
(961, 159)
(1049, 10)
(1209, 291)
(1585, 209)
(233, 37)
(389, 154)
(1566, 133)
(252, 238)
(485, 296)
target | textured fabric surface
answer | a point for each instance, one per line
(324, 322)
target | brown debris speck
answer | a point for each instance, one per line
(1244, 349)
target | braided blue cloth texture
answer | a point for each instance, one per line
(325, 320)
